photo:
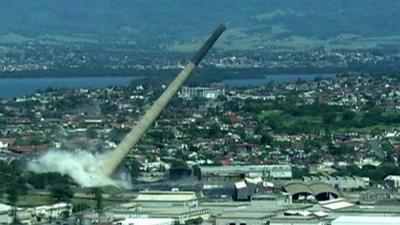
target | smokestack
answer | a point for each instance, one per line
(109, 165)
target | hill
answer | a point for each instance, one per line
(180, 24)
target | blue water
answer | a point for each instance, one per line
(279, 78)
(12, 87)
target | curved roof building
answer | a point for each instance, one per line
(318, 190)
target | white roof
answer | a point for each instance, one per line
(240, 185)
(4, 207)
(366, 220)
(268, 184)
(146, 221)
(335, 204)
(166, 196)
(320, 214)
(393, 177)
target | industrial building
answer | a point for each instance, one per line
(234, 173)
(393, 181)
(202, 92)
(179, 215)
(278, 215)
(303, 191)
(33, 215)
(343, 183)
(367, 220)
(144, 221)
(243, 218)
(245, 189)
(167, 199)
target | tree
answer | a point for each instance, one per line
(134, 168)
(266, 139)
(97, 193)
(65, 214)
(80, 207)
(61, 192)
(196, 221)
(12, 194)
(91, 132)
(20, 185)
(12, 197)
(329, 118)
(38, 181)
(179, 168)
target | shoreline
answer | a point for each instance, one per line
(222, 73)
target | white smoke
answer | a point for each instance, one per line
(81, 166)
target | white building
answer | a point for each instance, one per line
(54, 211)
(366, 220)
(204, 92)
(145, 221)
(232, 173)
(393, 180)
(29, 215)
(165, 199)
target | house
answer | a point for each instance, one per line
(7, 142)
(393, 181)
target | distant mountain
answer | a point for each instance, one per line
(179, 24)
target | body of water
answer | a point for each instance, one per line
(279, 78)
(13, 87)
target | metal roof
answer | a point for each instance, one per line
(321, 187)
(313, 188)
(166, 196)
(366, 220)
(298, 187)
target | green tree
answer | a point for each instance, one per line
(21, 185)
(61, 192)
(196, 221)
(98, 196)
(134, 168)
(79, 207)
(12, 194)
(91, 132)
(38, 181)
(266, 139)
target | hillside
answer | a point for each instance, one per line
(180, 24)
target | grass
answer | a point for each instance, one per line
(286, 121)
(48, 38)
(270, 15)
(240, 39)
(65, 38)
(13, 38)
(31, 200)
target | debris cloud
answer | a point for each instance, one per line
(81, 166)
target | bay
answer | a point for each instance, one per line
(13, 87)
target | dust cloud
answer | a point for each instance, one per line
(81, 166)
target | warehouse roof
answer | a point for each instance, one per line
(298, 187)
(321, 187)
(366, 220)
(166, 196)
(146, 221)
(313, 188)
(246, 214)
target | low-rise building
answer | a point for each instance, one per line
(233, 173)
(343, 183)
(165, 199)
(366, 220)
(145, 221)
(393, 181)
(204, 92)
